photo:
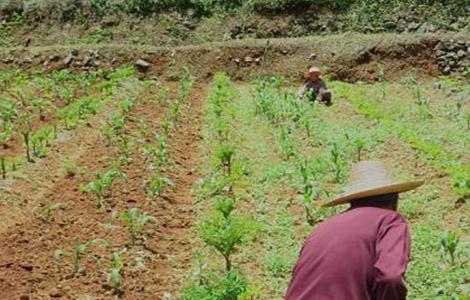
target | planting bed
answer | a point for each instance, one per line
(138, 189)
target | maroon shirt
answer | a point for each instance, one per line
(360, 254)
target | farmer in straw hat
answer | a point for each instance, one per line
(315, 88)
(361, 253)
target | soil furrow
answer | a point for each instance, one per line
(28, 269)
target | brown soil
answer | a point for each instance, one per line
(345, 57)
(27, 268)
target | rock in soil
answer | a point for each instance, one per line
(26, 266)
(142, 65)
(56, 293)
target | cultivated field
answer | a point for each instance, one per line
(115, 187)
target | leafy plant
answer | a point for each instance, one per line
(157, 184)
(46, 214)
(77, 253)
(41, 104)
(226, 233)
(40, 141)
(25, 130)
(449, 245)
(231, 286)
(224, 157)
(103, 183)
(337, 162)
(135, 221)
(114, 274)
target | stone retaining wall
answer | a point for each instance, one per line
(453, 56)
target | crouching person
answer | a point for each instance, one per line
(363, 252)
(315, 88)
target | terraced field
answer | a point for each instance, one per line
(118, 187)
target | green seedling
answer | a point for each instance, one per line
(286, 144)
(77, 253)
(449, 245)
(126, 107)
(186, 84)
(224, 155)
(166, 126)
(162, 95)
(337, 162)
(67, 94)
(46, 214)
(175, 111)
(135, 221)
(157, 184)
(6, 133)
(25, 129)
(41, 105)
(69, 168)
(125, 148)
(114, 274)
(103, 183)
(40, 141)
(359, 143)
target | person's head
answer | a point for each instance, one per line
(314, 73)
(387, 201)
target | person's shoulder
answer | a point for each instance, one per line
(386, 214)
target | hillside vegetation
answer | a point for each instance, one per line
(199, 21)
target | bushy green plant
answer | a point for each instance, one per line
(230, 286)
(225, 234)
(40, 141)
(223, 157)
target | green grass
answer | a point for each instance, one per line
(273, 184)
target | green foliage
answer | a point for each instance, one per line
(40, 141)
(80, 110)
(225, 234)
(449, 244)
(135, 221)
(114, 274)
(103, 183)
(337, 162)
(46, 214)
(229, 287)
(224, 155)
(157, 184)
(77, 253)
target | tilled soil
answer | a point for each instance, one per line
(153, 269)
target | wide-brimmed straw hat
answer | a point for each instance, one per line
(371, 178)
(314, 69)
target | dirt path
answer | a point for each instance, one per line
(156, 268)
